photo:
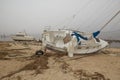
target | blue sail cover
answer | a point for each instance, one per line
(78, 36)
(95, 34)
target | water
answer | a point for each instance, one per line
(8, 37)
(114, 45)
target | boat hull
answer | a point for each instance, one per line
(22, 38)
(91, 49)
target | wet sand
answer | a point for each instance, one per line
(18, 62)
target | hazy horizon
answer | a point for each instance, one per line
(34, 15)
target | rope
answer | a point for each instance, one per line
(110, 20)
(74, 15)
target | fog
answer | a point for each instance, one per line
(35, 15)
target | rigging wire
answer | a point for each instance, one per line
(109, 21)
(104, 7)
(74, 15)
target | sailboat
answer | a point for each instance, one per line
(72, 41)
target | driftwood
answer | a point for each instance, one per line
(18, 49)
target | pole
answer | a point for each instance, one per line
(110, 20)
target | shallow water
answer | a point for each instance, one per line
(114, 45)
(8, 38)
(5, 38)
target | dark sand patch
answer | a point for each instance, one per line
(85, 75)
(38, 65)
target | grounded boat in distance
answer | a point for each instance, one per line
(21, 36)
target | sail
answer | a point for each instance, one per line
(78, 36)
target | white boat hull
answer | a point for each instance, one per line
(22, 38)
(55, 40)
(92, 49)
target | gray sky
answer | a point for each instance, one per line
(34, 15)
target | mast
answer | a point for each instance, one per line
(109, 20)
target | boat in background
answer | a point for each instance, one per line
(21, 36)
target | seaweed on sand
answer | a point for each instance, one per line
(39, 65)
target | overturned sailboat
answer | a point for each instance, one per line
(72, 42)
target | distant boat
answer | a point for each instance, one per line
(21, 36)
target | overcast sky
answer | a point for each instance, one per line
(33, 15)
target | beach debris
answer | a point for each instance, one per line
(85, 75)
(3, 55)
(38, 65)
(65, 67)
(111, 53)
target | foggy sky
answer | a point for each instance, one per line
(33, 15)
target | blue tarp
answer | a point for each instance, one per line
(95, 34)
(78, 36)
